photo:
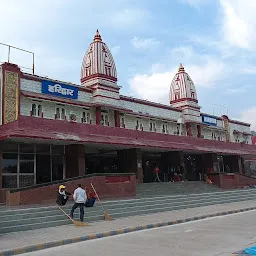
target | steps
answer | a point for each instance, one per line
(164, 197)
(176, 188)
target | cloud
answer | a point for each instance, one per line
(235, 90)
(144, 43)
(249, 115)
(60, 42)
(205, 71)
(196, 3)
(239, 22)
(128, 17)
(154, 86)
(249, 70)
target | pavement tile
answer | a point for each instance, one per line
(38, 237)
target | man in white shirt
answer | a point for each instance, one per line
(80, 199)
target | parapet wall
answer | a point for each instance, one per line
(107, 186)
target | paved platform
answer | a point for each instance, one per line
(219, 236)
(16, 243)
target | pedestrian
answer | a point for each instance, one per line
(156, 171)
(80, 199)
(62, 196)
(91, 198)
(172, 171)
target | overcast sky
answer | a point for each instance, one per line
(214, 39)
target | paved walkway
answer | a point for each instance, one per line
(219, 236)
(40, 236)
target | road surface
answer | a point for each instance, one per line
(219, 236)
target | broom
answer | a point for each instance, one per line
(76, 223)
(106, 215)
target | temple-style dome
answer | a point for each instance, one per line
(98, 62)
(182, 88)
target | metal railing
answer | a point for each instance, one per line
(9, 56)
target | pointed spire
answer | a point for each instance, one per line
(97, 37)
(181, 68)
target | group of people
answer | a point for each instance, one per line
(82, 197)
(173, 175)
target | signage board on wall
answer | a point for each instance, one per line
(60, 90)
(209, 120)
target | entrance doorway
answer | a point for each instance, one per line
(193, 167)
(149, 162)
(49, 163)
(101, 163)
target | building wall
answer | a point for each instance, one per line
(239, 137)
(147, 112)
(30, 85)
(84, 96)
(151, 110)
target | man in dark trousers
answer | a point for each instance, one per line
(80, 199)
(62, 196)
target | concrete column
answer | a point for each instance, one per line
(199, 131)
(240, 165)
(75, 160)
(130, 161)
(117, 118)
(10, 93)
(98, 115)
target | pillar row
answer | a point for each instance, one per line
(98, 115)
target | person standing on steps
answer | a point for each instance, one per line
(80, 199)
(156, 171)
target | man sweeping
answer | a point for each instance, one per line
(80, 199)
(62, 196)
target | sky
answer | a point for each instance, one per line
(215, 40)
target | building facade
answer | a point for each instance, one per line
(50, 130)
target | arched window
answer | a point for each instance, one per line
(178, 129)
(39, 110)
(63, 113)
(106, 120)
(88, 117)
(33, 109)
(122, 123)
(36, 110)
(139, 125)
(57, 113)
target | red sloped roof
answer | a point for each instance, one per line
(46, 129)
(254, 140)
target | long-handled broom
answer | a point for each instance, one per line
(106, 215)
(77, 223)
